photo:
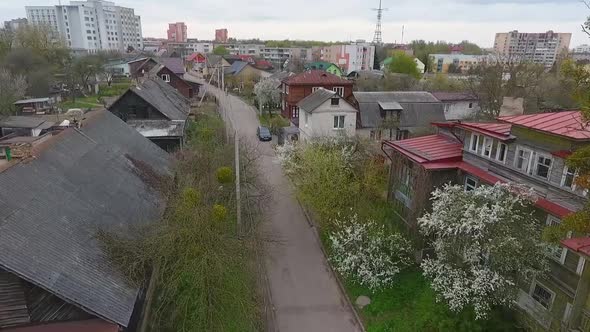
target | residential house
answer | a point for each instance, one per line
(119, 67)
(524, 149)
(458, 105)
(387, 62)
(396, 115)
(24, 126)
(139, 67)
(55, 272)
(324, 113)
(366, 75)
(157, 111)
(35, 106)
(176, 65)
(296, 88)
(214, 66)
(325, 66)
(177, 82)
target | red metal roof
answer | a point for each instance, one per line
(316, 77)
(564, 154)
(500, 131)
(580, 244)
(92, 325)
(428, 149)
(568, 124)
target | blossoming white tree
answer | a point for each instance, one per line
(484, 240)
(365, 252)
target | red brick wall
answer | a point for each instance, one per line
(298, 92)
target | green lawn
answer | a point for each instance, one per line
(410, 306)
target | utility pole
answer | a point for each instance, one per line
(238, 194)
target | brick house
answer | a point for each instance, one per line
(525, 149)
(296, 88)
(149, 68)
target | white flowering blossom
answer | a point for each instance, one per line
(364, 252)
(287, 155)
(483, 240)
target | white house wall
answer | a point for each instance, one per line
(320, 123)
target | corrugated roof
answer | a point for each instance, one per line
(428, 149)
(52, 207)
(318, 77)
(580, 244)
(420, 108)
(314, 100)
(29, 101)
(390, 105)
(567, 124)
(29, 122)
(176, 65)
(454, 96)
(162, 97)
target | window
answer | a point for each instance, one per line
(543, 166)
(542, 295)
(501, 152)
(470, 183)
(486, 151)
(166, 77)
(339, 122)
(315, 88)
(295, 112)
(339, 90)
(474, 143)
(568, 178)
(401, 134)
(470, 105)
(335, 102)
(405, 181)
(523, 158)
(555, 251)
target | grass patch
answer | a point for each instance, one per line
(116, 89)
(410, 306)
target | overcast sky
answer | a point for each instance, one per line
(450, 20)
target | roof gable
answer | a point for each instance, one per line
(429, 149)
(52, 207)
(176, 65)
(316, 99)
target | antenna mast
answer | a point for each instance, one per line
(377, 39)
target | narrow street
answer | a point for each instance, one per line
(305, 294)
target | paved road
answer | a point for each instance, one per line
(305, 295)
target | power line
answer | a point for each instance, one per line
(377, 39)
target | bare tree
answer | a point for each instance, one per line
(586, 24)
(12, 88)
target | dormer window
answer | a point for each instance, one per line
(166, 78)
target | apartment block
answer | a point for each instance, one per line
(91, 25)
(177, 32)
(542, 48)
(352, 57)
(12, 25)
(462, 63)
(221, 36)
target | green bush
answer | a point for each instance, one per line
(225, 175)
(219, 212)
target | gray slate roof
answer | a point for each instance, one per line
(237, 67)
(52, 207)
(29, 122)
(315, 100)
(176, 65)
(164, 98)
(420, 108)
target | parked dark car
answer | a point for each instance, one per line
(263, 134)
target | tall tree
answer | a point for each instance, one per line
(404, 64)
(267, 94)
(484, 241)
(220, 50)
(12, 88)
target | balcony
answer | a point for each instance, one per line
(538, 312)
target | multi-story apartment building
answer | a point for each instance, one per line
(177, 32)
(245, 49)
(12, 25)
(524, 149)
(279, 55)
(542, 48)
(91, 25)
(352, 57)
(221, 36)
(441, 63)
(584, 48)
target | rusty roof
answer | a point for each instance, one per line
(317, 77)
(567, 124)
(429, 149)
